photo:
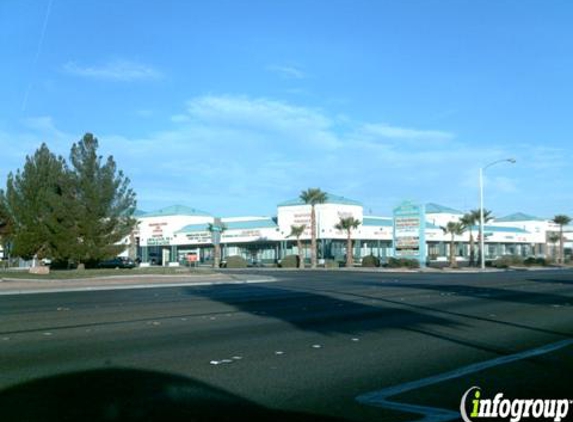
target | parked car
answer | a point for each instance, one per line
(118, 262)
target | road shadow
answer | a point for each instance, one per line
(481, 292)
(312, 311)
(129, 395)
(554, 280)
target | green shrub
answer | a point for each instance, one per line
(236, 261)
(535, 261)
(508, 261)
(370, 261)
(290, 261)
(411, 263)
(331, 263)
(402, 263)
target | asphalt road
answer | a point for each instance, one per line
(320, 343)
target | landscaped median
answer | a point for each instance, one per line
(19, 282)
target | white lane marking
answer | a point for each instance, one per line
(133, 286)
(379, 398)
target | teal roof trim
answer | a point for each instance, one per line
(330, 199)
(251, 224)
(191, 228)
(139, 213)
(374, 221)
(502, 229)
(432, 208)
(518, 216)
(266, 223)
(176, 210)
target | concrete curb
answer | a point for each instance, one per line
(132, 286)
(108, 277)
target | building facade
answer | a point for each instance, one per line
(181, 235)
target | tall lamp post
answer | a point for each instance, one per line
(481, 228)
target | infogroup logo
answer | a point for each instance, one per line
(514, 409)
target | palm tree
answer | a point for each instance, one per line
(469, 220)
(561, 220)
(454, 229)
(312, 197)
(348, 224)
(216, 230)
(297, 232)
(553, 238)
(487, 217)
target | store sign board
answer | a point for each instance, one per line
(409, 232)
(158, 241)
(199, 237)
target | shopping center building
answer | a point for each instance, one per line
(179, 234)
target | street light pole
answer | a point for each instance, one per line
(481, 218)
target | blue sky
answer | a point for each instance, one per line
(234, 106)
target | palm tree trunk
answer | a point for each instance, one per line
(312, 238)
(478, 263)
(300, 255)
(452, 253)
(561, 255)
(472, 251)
(217, 258)
(349, 250)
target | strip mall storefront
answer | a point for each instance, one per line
(178, 235)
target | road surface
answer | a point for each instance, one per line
(334, 344)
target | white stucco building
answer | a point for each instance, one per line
(180, 234)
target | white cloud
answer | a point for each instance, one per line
(118, 70)
(395, 132)
(263, 117)
(235, 155)
(179, 118)
(287, 72)
(144, 112)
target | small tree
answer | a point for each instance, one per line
(469, 220)
(561, 220)
(454, 229)
(216, 231)
(104, 203)
(348, 224)
(36, 207)
(553, 238)
(297, 231)
(5, 222)
(313, 197)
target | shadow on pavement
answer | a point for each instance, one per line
(478, 292)
(312, 311)
(128, 395)
(555, 280)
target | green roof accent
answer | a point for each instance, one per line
(177, 210)
(502, 229)
(377, 221)
(330, 199)
(432, 208)
(266, 223)
(261, 223)
(518, 216)
(139, 213)
(191, 228)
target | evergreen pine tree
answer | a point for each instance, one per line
(35, 207)
(104, 203)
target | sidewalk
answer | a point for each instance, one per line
(14, 286)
